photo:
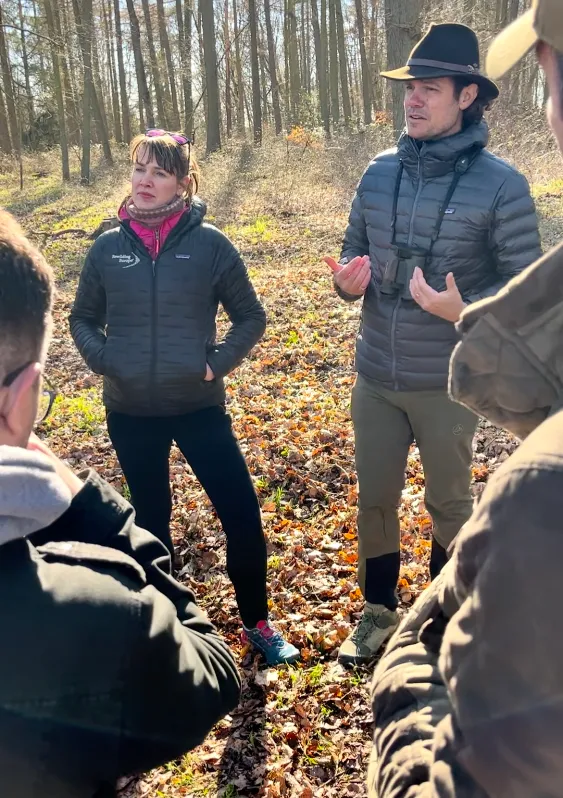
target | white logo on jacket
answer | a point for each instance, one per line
(128, 260)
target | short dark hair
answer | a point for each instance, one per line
(480, 104)
(26, 297)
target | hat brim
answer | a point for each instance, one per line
(427, 73)
(511, 45)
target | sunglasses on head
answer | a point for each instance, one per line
(179, 138)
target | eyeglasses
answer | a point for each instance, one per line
(179, 138)
(46, 401)
(47, 395)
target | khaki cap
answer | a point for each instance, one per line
(543, 22)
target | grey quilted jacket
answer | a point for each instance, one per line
(150, 326)
(489, 234)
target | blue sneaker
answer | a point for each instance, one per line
(271, 644)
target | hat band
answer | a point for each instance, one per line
(427, 62)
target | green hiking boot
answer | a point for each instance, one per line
(376, 626)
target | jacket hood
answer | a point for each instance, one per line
(440, 155)
(508, 366)
(32, 495)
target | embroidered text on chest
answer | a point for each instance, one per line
(128, 260)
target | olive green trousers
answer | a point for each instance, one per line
(386, 423)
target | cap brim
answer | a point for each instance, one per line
(512, 44)
(427, 73)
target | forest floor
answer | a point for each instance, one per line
(302, 731)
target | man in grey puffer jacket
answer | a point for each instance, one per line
(437, 223)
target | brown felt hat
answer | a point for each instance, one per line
(542, 22)
(445, 50)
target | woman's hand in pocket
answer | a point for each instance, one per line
(209, 376)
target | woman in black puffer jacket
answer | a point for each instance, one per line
(145, 318)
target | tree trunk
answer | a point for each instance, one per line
(121, 69)
(273, 69)
(71, 71)
(84, 28)
(211, 78)
(108, 27)
(9, 90)
(293, 53)
(333, 47)
(238, 72)
(402, 26)
(144, 95)
(185, 43)
(98, 102)
(324, 86)
(263, 70)
(161, 90)
(25, 62)
(5, 145)
(228, 93)
(165, 45)
(343, 63)
(56, 59)
(255, 71)
(202, 60)
(366, 87)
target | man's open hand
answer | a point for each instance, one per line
(352, 278)
(446, 304)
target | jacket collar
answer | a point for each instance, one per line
(508, 366)
(32, 495)
(430, 159)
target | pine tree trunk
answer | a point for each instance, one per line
(402, 27)
(165, 45)
(121, 69)
(144, 95)
(273, 69)
(366, 87)
(238, 72)
(211, 77)
(343, 63)
(333, 67)
(15, 140)
(56, 59)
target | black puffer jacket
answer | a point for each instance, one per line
(149, 326)
(489, 234)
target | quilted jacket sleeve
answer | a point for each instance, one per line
(514, 235)
(355, 239)
(88, 314)
(248, 319)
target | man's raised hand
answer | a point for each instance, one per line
(352, 278)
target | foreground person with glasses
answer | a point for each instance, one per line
(108, 668)
(145, 317)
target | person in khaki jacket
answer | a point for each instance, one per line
(108, 668)
(468, 698)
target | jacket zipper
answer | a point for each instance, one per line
(154, 337)
(398, 302)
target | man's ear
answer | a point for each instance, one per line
(19, 402)
(468, 95)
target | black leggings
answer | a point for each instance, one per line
(207, 441)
